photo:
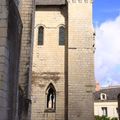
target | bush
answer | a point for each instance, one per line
(114, 118)
(104, 118)
(101, 118)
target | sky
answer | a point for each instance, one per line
(106, 20)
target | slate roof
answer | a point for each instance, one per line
(50, 2)
(111, 93)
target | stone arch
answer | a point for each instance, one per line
(51, 97)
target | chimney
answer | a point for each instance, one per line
(97, 86)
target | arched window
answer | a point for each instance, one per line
(40, 35)
(103, 96)
(61, 35)
(51, 97)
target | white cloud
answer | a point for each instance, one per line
(107, 56)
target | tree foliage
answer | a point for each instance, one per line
(104, 118)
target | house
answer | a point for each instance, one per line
(106, 101)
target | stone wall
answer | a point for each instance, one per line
(48, 64)
(80, 60)
(72, 63)
(26, 9)
(10, 34)
(26, 12)
(14, 42)
(4, 61)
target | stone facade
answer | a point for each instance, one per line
(10, 34)
(66, 71)
(69, 67)
(80, 61)
(3, 60)
(26, 8)
(48, 63)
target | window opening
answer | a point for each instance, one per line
(103, 96)
(104, 111)
(40, 35)
(61, 35)
(51, 97)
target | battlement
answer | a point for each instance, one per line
(60, 2)
(50, 2)
(80, 1)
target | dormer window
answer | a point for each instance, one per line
(103, 96)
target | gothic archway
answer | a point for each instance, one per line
(51, 97)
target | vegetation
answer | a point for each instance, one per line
(104, 118)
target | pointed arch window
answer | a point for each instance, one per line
(50, 98)
(40, 35)
(61, 35)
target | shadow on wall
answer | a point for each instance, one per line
(24, 104)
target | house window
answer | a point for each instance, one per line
(104, 111)
(40, 35)
(61, 35)
(103, 96)
(51, 98)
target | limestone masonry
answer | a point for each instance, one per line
(46, 60)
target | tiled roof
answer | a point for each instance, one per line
(50, 2)
(111, 93)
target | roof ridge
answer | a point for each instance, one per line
(110, 87)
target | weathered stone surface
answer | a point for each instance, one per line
(48, 64)
(74, 62)
(10, 30)
(69, 68)
(50, 2)
(3, 62)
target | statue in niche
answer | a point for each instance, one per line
(51, 102)
(51, 96)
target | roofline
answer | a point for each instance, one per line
(110, 87)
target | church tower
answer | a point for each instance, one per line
(63, 60)
(80, 60)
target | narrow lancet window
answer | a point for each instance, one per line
(40, 35)
(61, 35)
(51, 97)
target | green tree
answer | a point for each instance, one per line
(104, 118)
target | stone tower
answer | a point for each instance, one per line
(80, 60)
(63, 60)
